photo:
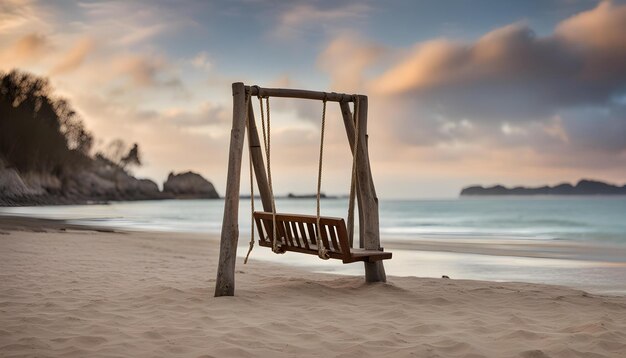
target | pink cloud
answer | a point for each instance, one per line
(75, 57)
(346, 58)
(29, 48)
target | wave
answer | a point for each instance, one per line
(546, 219)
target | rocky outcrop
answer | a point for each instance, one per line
(12, 185)
(583, 187)
(118, 186)
(98, 182)
(30, 188)
(116, 183)
(189, 185)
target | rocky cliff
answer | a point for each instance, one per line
(189, 185)
(97, 182)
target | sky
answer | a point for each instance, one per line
(460, 92)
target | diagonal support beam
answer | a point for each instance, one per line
(257, 161)
(348, 123)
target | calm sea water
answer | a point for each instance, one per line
(596, 221)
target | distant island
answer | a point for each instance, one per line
(295, 196)
(310, 196)
(583, 187)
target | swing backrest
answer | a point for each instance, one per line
(299, 233)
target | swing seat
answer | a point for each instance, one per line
(297, 233)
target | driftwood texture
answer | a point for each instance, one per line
(374, 271)
(298, 93)
(225, 281)
(257, 161)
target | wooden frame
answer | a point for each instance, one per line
(365, 191)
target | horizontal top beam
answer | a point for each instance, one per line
(298, 93)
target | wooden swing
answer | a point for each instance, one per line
(298, 233)
(327, 237)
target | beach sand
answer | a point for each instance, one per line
(77, 292)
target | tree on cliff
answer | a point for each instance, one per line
(119, 154)
(132, 158)
(39, 132)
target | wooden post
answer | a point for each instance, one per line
(348, 123)
(225, 282)
(368, 217)
(257, 162)
(374, 271)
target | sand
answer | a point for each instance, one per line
(74, 292)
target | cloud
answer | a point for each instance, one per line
(16, 13)
(26, 49)
(299, 18)
(145, 71)
(201, 61)
(207, 114)
(29, 46)
(599, 29)
(517, 73)
(583, 62)
(141, 70)
(130, 23)
(142, 34)
(345, 58)
(75, 57)
(597, 129)
(551, 101)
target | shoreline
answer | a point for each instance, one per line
(76, 291)
(599, 268)
(564, 249)
(500, 245)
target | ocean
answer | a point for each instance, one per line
(573, 241)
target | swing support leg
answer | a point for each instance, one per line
(369, 232)
(225, 281)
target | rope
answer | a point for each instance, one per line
(354, 174)
(322, 252)
(267, 142)
(245, 261)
